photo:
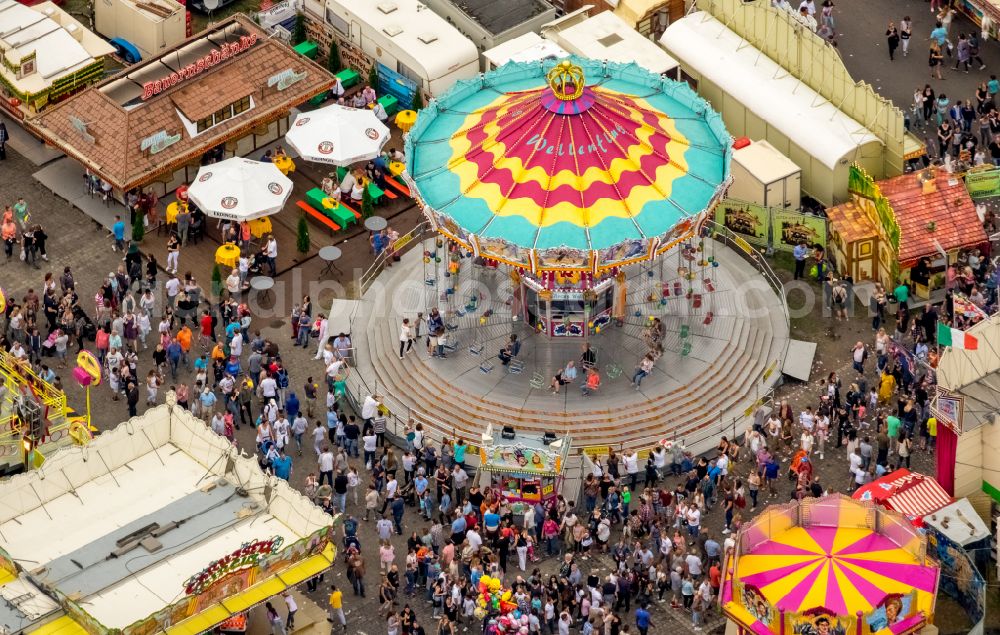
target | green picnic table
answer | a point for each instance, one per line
(340, 214)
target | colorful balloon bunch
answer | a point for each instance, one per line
(493, 598)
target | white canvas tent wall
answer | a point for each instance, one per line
(761, 100)
(975, 376)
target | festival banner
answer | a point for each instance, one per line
(746, 220)
(893, 611)
(521, 459)
(353, 57)
(948, 409)
(789, 228)
(819, 622)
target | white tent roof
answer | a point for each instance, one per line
(58, 53)
(722, 57)
(529, 47)
(975, 375)
(964, 525)
(606, 36)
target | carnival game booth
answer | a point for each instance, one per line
(829, 565)
(151, 124)
(159, 526)
(567, 172)
(909, 227)
(523, 469)
(909, 493)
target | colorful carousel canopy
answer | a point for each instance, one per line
(831, 558)
(568, 164)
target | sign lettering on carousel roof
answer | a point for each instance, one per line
(227, 50)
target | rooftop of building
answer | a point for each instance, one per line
(497, 17)
(132, 518)
(60, 44)
(109, 127)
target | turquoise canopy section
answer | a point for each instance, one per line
(568, 164)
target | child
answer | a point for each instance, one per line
(352, 483)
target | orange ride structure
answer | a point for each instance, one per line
(829, 566)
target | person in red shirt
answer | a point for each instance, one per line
(207, 333)
(715, 579)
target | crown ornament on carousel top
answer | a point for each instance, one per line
(566, 81)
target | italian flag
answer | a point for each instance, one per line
(948, 336)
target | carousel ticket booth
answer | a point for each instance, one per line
(524, 469)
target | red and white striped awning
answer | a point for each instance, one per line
(918, 495)
(911, 494)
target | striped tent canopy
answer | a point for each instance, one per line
(911, 494)
(572, 164)
(834, 557)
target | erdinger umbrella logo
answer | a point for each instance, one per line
(326, 147)
(301, 121)
(275, 189)
(229, 202)
(204, 177)
(372, 133)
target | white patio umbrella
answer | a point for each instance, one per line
(338, 135)
(240, 189)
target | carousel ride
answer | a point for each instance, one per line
(568, 205)
(829, 566)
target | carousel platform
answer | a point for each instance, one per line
(712, 370)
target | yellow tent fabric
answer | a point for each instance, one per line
(65, 625)
(257, 594)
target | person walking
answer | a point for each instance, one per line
(962, 56)
(892, 37)
(935, 60)
(277, 624)
(336, 607)
(905, 33)
(405, 337)
(292, 608)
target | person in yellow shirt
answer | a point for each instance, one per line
(219, 353)
(336, 607)
(932, 424)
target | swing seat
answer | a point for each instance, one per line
(685, 331)
(537, 381)
(686, 349)
(666, 291)
(708, 318)
(689, 256)
(486, 367)
(430, 282)
(614, 371)
(678, 288)
(515, 367)
(709, 284)
(451, 344)
(697, 300)
(476, 349)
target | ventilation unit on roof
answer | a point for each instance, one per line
(387, 7)
(610, 40)
(427, 38)
(392, 30)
